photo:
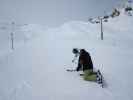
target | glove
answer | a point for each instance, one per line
(72, 60)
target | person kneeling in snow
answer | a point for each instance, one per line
(85, 64)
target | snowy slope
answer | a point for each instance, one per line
(21, 34)
(36, 70)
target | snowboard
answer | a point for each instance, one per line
(100, 79)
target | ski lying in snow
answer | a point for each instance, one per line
(100, 79)
(81, 74)
(71, 70)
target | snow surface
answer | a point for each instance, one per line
(36, 70)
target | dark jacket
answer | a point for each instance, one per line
(86, 61)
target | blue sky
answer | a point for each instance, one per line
(53, 12)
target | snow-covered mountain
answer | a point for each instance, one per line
(36, 70)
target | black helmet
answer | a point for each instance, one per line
(75, 50)
(82, 50)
